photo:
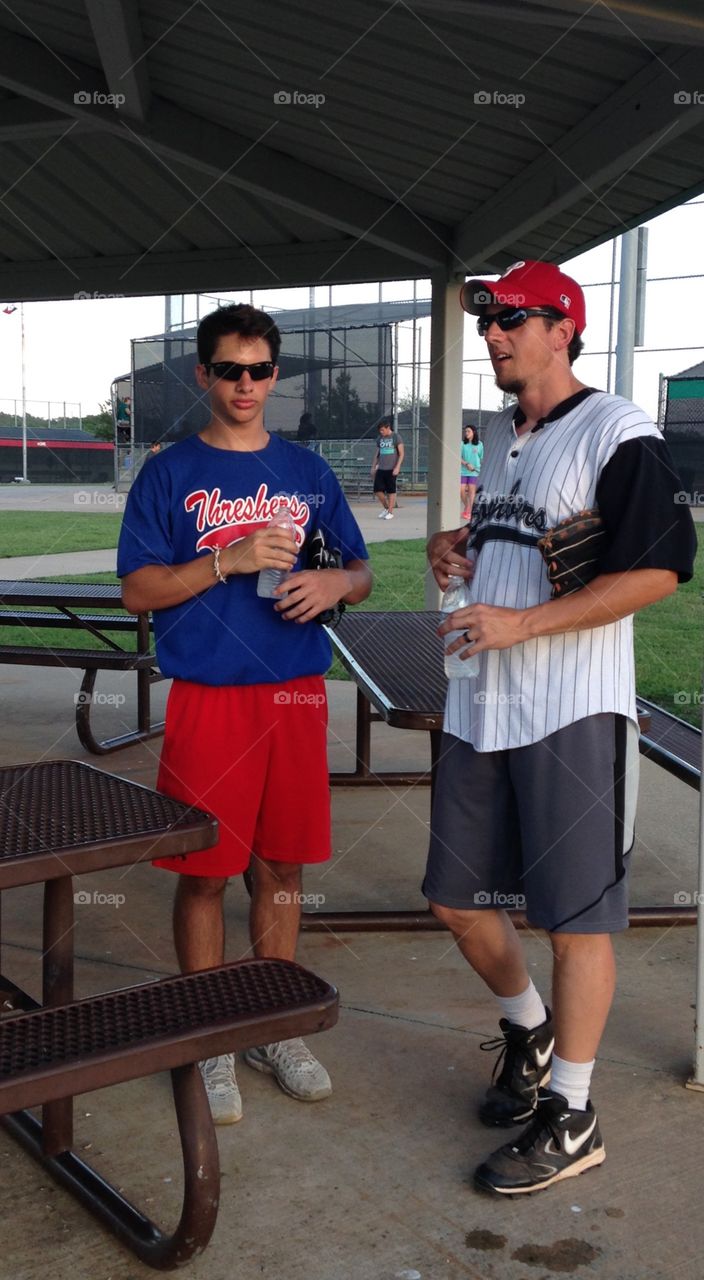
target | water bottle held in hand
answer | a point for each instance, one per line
(457, 596)
(270, 579)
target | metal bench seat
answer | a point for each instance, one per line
(672, 743)
(61, 621)
(57, 1052)
(88, 659)
(32, 606)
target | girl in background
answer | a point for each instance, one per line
(472, 454)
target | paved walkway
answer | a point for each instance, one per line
(409, 522)
(65, 565)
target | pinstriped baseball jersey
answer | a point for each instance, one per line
(528, 484)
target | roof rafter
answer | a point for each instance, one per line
(681, 20)
(21, 118)
(211, 149)
(633, 123)
(201, 270)
(118, 38)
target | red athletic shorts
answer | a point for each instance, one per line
(254, 756)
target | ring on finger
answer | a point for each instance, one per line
(468, 638)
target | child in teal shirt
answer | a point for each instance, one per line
(472, 454)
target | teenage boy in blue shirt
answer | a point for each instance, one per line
(246, 720)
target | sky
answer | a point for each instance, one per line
(75, 349)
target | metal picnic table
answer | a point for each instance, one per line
(33, 606)
(395, 660)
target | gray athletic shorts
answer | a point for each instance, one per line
(546, 827)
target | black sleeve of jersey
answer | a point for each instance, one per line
(647, 524)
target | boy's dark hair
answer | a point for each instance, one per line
(385, 422)
(237, 318)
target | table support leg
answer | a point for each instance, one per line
(145, 729)
(143, 678)
(362, 775)
(201, 1170)
(368, 921)
(57, 988)
(363, 736)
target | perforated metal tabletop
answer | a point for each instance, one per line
(61, 817)
(397, 661)
(88, 594)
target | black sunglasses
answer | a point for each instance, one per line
(233, 372)
(513, 318)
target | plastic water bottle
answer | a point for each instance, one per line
(270, 579)
(457, 596)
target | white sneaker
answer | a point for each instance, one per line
(294, 1067)
(221, 1087)
(389, 515)
(383, 514)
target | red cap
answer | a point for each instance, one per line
(528, 284)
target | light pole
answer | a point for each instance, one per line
(24, 402)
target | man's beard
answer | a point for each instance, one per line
(512, 388)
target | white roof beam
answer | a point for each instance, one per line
(118, 38)
(203, 270)
(21, 118)
(177, 135)
(613, 139)
(681, 21)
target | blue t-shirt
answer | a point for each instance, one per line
(192, 498)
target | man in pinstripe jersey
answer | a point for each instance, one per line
(535, 795)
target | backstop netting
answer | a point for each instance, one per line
(341, 377)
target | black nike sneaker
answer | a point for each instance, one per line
(522, 1067)
(558, 1143)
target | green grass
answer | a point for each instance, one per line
(30, 533)
(668, 635)
(668, 644)
(399, 582)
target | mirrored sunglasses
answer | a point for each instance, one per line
(514, 317)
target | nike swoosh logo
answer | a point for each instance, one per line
(543, 1058)
(541, 1061)
(572, 1145)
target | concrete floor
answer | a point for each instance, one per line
(373, 1183)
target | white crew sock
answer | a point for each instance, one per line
(526, 1010)
(572, 1080)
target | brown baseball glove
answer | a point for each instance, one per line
(572, 551)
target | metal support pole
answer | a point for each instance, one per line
(57, 989)
(24, 401)
(697, 1080)
(612, 295)
(414, 400)
(625, 340)
(446, 342)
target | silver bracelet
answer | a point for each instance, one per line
(221, 577)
